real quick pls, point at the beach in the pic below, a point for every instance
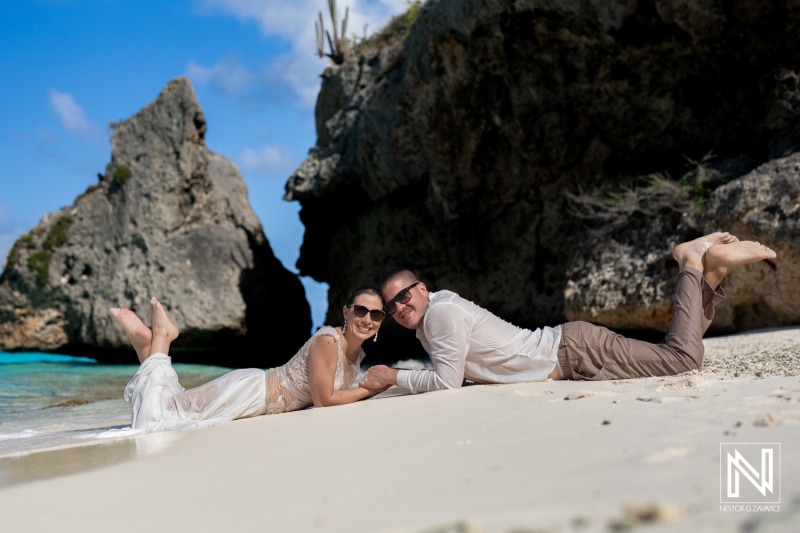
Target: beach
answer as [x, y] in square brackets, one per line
[547, 457]
[533, 163]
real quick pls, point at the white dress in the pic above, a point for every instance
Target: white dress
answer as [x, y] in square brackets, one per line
[159, 401]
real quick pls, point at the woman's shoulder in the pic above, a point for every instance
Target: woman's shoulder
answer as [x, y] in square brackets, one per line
[327, 331]
[327, 338]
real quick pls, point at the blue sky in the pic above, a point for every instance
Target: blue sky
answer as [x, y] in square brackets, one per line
[73, 66]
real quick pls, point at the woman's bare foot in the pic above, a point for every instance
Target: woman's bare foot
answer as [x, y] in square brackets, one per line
[164, 331]
[137, 332]
[690, 254]
[722, 260]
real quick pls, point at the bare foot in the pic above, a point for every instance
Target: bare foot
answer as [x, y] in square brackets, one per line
[722, 260]
[691, 253]
[164, 331]
[162, 325]
[137, 332]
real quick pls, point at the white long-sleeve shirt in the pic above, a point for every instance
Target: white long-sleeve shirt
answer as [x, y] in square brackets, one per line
[465, 340]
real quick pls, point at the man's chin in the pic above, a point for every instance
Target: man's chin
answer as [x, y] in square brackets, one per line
[411, 323]
[406, 323]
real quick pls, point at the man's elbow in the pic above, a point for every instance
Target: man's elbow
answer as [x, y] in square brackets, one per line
[451, 385]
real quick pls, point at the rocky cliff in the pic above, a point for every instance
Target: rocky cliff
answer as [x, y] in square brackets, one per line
[471, 150]
[171, 219]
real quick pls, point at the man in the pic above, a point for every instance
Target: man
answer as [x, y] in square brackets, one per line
[466, 341]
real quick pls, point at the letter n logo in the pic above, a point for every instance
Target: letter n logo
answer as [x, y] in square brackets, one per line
[747, 472]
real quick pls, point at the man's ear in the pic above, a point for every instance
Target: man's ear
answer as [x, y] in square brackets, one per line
[423, 289]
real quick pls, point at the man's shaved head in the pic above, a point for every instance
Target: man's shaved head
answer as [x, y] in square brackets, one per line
[406, 297]
[405, 275]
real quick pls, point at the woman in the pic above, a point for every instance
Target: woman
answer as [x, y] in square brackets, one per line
[320, 373]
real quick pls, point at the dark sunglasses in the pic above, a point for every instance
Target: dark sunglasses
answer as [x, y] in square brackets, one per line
[375, 314]
[402, 297]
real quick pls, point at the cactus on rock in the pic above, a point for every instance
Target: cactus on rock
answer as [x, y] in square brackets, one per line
[339, 46]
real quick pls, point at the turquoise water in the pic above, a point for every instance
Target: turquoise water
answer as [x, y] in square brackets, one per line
[49, 401]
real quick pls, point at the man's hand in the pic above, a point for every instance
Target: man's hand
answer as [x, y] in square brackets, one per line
[379, 377]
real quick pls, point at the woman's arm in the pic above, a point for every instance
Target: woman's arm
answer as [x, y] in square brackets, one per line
[322, 358]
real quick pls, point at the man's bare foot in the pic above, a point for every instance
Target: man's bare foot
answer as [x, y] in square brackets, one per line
[722, 260]
[690, 254]
[137, 332]
[164, 331]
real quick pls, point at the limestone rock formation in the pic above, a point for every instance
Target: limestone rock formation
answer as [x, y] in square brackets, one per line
[171, 219]
[627, 282]
[452, 152]
[763, 206]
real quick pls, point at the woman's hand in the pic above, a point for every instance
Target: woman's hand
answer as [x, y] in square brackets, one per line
[373, 391]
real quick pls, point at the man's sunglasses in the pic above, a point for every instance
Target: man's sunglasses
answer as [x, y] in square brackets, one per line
[403, 297]
[375, 314]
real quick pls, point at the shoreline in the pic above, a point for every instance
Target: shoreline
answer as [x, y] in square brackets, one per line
[545, 456]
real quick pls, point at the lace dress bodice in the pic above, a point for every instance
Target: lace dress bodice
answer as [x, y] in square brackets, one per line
[288, 387]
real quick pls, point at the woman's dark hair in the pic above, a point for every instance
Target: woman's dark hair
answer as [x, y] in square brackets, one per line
[364, 289]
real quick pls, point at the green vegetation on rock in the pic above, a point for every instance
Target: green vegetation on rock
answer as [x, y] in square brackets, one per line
[57, 236]
[611, 206]
[341, 47]
[39, 263]
[26, 241]
[121, 175]
[396, 30]
[13, 255]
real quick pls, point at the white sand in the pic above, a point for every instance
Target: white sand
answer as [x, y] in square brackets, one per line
[557, 456]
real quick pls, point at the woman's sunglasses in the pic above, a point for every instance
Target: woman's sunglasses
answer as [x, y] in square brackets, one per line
[402, 297]
[360, 311]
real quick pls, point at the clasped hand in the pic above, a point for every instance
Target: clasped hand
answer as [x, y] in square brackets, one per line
[376, 379]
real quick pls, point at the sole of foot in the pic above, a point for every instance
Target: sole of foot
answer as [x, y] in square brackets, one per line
[138, 334]
[696, 248]
[728, 257]
[133, 326]
[719, 261]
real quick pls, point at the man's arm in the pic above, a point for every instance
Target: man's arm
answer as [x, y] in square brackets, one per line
[448, 329]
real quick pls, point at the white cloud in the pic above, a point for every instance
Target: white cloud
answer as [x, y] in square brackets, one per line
[229, 75]
[269, 159]
[72, 116]
[294, 22]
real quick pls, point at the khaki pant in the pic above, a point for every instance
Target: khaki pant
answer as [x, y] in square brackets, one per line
[590, 352]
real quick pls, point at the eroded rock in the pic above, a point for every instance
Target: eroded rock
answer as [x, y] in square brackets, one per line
[168, 219]
[451, 152]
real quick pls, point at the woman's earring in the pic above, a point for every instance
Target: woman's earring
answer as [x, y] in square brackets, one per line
[344, 325]
[375, 338]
